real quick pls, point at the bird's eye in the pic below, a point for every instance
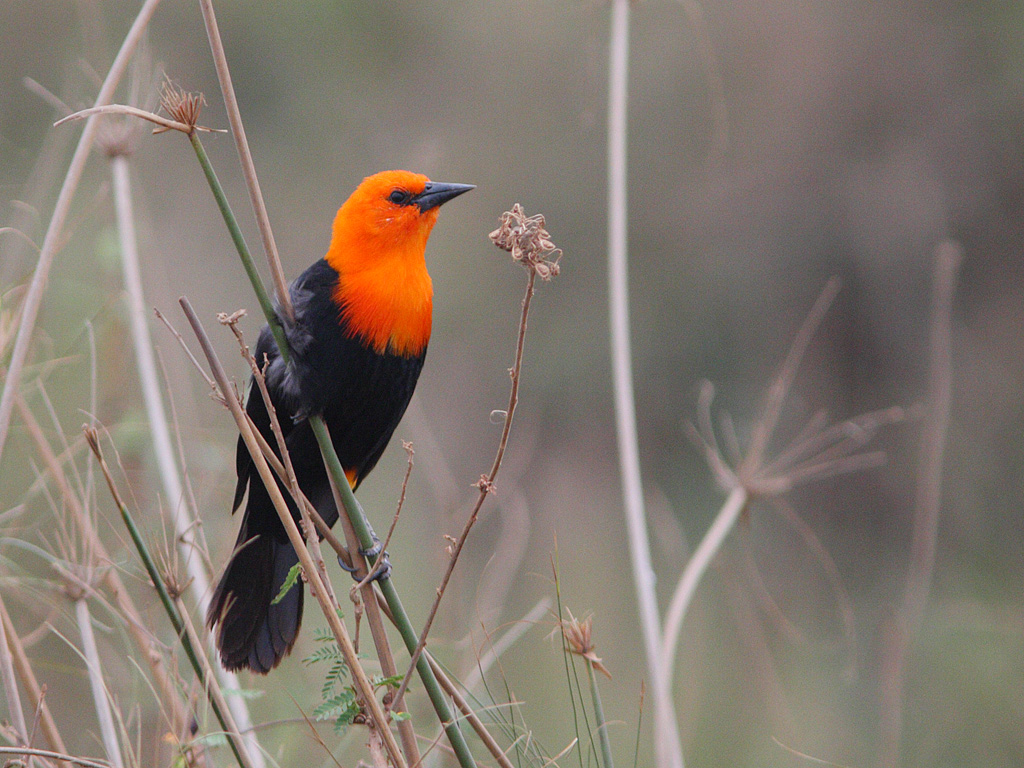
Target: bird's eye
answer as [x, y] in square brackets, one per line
[399, 197]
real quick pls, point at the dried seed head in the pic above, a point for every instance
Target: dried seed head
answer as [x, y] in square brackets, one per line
[579, 635]
[528, 241]
[181, 105]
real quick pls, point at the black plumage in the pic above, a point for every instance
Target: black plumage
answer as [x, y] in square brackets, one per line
[362, 395]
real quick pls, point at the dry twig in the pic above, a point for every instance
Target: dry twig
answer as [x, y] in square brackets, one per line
[530, 244]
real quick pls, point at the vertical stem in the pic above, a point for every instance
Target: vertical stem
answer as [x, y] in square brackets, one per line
[927, 499]
[667, 744]
[245, 157]
[54, 232]
[695, 570]
[363, 531]
[108, 733]
[10, 685]
[184, 529]
[193, 652]
[239, 240]
[28, 680]
[602, 724]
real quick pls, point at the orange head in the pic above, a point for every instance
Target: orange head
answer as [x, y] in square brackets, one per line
[380, 237]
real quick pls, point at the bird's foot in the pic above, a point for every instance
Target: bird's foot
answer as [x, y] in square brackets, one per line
[381, 564]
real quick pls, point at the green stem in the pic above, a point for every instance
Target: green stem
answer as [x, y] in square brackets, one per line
[405, 628]
[243, 250]
[178, 624]
[602, 724]
[352, 508]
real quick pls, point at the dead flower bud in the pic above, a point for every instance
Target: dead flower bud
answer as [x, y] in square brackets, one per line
[579, 635]
[181, 105]
[528, 241]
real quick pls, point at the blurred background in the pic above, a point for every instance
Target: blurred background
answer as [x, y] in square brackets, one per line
[776, 145]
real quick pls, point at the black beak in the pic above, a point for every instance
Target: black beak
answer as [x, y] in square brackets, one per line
[438, 193]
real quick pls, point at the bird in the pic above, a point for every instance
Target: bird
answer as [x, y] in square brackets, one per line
[362, 320]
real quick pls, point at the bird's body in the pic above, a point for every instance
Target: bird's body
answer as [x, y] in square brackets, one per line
[357, 345]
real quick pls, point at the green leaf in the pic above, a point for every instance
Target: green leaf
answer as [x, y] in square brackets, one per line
[244, 693]
[289, 582]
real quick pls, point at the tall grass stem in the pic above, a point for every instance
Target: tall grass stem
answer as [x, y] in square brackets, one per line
[187, 534]
[94, 669]
[668, 748]
[252, 182]
[55, 229]
[694, 571]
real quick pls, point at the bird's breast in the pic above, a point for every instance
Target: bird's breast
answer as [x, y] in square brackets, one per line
[389, 307]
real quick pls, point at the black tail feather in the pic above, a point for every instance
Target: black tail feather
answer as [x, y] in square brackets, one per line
[252, 633]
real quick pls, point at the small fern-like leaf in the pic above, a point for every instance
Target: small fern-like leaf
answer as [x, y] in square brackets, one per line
[289, 581]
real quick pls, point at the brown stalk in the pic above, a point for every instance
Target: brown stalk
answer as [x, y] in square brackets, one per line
[318, 588]
[927, 502]
[211, 683]
[29, 681]
[252, 183]
[486, 482]
[55, 229]
[163, 123]
[151, 650]
[287, 473]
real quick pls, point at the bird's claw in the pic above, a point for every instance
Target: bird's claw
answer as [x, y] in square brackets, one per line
[381, 564]
[374, 550]
[381, 569]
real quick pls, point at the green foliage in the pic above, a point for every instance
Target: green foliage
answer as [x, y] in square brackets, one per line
[289, 582]
[338, 700]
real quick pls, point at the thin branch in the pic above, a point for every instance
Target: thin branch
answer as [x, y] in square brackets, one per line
[125, 109]
[245, 157]
[668, 747]
[28, 679]
[695, 568]
[927, 502]
[765, 425]
[97, 685]
[54, 232]
[361, 681]
[486, 483]
[365, 581]
[82, 761]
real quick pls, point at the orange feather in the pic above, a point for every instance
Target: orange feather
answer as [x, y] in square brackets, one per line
[384, 290]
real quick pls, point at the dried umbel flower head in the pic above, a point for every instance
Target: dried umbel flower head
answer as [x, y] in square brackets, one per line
[579, 635]
[181, 105]
[529, 243]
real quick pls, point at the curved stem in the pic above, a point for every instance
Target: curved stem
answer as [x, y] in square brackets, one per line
[695, 569]
[54, 232]
[668, 747]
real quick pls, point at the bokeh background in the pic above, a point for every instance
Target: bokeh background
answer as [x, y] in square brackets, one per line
[857, 136]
